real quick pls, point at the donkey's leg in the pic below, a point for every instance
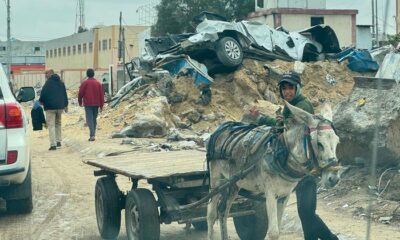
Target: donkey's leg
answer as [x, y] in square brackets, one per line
[212, 207]
[272, 211]
[282, 202]
[224, 212]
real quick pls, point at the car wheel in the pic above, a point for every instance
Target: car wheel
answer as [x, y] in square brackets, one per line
[107, 204]
[253, 227]
[229, 52]
[141, 215]
[24, 205]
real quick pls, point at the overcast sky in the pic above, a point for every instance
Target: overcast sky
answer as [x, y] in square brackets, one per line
[48, 19]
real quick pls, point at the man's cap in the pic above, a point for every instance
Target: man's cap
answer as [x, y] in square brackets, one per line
[292, 78]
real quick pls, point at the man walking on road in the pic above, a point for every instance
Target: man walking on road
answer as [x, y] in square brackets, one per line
[54, 99]
[91, 96]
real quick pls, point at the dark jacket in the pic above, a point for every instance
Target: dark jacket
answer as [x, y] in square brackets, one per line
[54, 94]
[299, 101]
[91, 93]
[37, 116]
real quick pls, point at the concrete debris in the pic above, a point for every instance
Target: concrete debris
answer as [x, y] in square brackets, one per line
[355, 120]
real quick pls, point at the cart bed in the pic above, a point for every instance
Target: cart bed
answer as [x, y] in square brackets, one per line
[153, 165]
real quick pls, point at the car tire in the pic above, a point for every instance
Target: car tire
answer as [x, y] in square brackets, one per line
[141, 215]
[253, 227]
[25, 205]
[229, 52]
[107, 204]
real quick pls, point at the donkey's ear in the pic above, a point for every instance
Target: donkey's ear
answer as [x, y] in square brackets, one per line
[300, 115]
[326, 111]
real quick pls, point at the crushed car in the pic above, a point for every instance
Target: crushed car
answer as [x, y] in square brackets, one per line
[221, 45]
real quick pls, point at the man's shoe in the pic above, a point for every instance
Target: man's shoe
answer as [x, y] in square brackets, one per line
[52, 148]
[58, 144]
[91, 139]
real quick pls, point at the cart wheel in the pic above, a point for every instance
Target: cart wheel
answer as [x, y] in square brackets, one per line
[253, 227]
[141, 215]
[200, 226]
[108, 212]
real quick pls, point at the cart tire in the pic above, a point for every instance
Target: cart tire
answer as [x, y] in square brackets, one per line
[253, 227]
[229, 52]
[108, 211]
[141, 215]
[200, 226]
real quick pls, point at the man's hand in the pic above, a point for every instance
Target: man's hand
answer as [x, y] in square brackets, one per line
[66, 109]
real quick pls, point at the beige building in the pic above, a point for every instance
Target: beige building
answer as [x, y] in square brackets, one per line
[299, 15]
[97, 48]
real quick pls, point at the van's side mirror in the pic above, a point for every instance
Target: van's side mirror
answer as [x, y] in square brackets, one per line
[25, 94]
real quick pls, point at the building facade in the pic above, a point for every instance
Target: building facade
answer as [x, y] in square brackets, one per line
[295, 15]
[25, 55]
[97, 48]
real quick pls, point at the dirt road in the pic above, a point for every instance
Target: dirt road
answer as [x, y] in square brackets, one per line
[64, 198]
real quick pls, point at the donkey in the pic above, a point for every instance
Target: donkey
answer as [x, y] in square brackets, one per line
[311, 143]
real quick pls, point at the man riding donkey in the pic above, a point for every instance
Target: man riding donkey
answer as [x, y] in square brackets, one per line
[306, 191]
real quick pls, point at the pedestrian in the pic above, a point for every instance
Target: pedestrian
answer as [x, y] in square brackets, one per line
[54, 99]
[306, 190]
[91, 96]
[37, 116]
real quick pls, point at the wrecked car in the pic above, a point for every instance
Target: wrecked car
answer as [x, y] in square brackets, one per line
[217, 42]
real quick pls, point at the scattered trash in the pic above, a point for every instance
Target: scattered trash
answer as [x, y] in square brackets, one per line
[299, 67]
[360, 103]
[330, 79]
[385, 220]
[359, 60]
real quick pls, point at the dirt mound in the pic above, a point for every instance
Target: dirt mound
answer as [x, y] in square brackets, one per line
[234, 93]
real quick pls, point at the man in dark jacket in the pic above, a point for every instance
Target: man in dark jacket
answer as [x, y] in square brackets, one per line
[91, 96]
[306, 191]
[54, 99]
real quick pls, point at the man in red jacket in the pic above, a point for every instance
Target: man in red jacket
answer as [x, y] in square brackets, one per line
[91, 96]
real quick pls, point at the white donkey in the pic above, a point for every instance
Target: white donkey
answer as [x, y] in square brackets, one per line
[311, 143]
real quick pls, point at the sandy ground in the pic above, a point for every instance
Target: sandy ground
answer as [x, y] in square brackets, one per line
[64, 196]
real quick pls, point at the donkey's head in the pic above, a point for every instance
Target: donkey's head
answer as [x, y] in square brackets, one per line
[321, 142]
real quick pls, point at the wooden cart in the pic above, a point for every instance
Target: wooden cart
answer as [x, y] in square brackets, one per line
[178, 180]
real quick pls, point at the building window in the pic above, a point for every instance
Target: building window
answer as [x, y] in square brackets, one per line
[51, 53]
[55, 52]
[317, 21]
[73, 50]
[36, 49]
[109, 43]
[47, 53]
[100, 46]
[69, 51]
[64, 51]
[2, 48]
[90, 47]
[84, 48]
[104, 46]
[59, 52]
[79, 49]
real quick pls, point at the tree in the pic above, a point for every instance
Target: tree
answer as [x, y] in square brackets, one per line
[174, 16]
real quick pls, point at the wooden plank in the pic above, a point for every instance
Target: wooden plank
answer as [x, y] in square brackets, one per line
[153, 165]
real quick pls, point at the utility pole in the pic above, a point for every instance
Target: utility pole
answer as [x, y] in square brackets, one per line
[123, 54]
[8, 41]
[376, 23]
[373, 20]
[121, 45]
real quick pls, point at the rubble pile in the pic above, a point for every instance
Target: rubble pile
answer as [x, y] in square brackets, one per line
[174, 102]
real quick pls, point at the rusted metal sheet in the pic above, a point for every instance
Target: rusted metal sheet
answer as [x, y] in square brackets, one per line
[372, 82]
[153, 165]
